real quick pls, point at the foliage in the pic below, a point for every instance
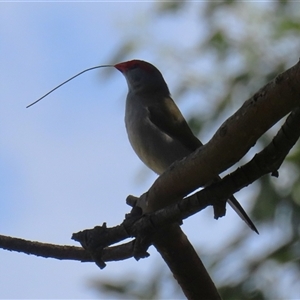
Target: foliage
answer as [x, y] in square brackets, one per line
[233, 49]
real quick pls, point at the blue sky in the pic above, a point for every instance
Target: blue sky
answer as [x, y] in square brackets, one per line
[65, 163]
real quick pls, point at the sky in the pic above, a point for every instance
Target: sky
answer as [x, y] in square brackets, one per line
[65, 163]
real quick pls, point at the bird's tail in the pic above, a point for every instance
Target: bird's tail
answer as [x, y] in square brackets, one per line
[237, 207]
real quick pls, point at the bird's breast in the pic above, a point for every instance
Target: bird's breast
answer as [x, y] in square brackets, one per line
[154, 147]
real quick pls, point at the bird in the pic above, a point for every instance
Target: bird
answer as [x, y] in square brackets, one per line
[157, 130]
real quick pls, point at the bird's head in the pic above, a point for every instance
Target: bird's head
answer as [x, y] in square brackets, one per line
[143, 77]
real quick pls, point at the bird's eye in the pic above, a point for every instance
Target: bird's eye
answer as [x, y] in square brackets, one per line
[136, 76]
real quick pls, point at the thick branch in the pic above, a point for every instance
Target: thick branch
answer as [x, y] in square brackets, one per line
[235, 137]
[187, 268]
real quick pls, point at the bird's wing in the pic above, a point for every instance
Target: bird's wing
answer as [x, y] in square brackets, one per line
[168, 118]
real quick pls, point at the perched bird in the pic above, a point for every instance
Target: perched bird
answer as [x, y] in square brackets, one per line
[156, 129]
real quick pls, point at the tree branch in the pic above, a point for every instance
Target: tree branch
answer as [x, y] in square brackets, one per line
[235, 137]
[44, 249]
